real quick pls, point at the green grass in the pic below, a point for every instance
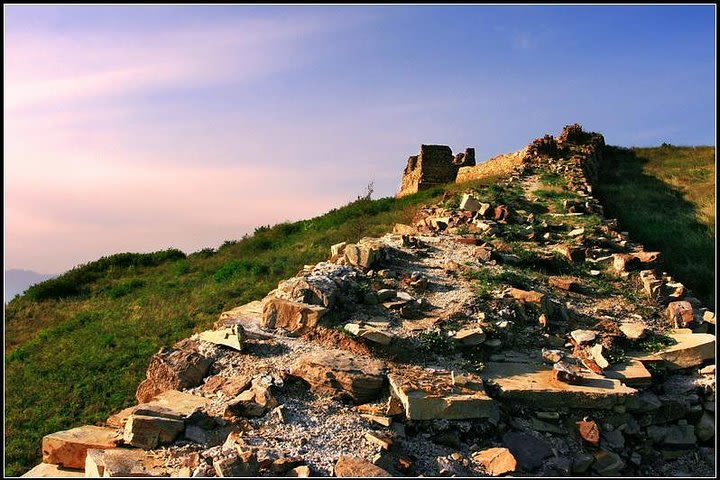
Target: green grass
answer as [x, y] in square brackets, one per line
[664, 197]
[77, 346]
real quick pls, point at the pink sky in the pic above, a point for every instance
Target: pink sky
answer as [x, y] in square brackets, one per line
[139, 128]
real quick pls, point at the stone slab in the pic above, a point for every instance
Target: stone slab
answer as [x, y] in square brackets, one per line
[535, 385]
[691, 350]
[50, 470]
[427, 395]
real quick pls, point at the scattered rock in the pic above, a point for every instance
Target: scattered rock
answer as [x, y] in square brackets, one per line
[583, 336]
[529, 451]
[705, 427]
[589, 432]
[607, 463]
[680, 313]
[496, 461]
[347, 466]
[633, 330]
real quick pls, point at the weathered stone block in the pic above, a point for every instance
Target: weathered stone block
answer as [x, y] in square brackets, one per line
[294, 317]
[69, 447]
[172, 369]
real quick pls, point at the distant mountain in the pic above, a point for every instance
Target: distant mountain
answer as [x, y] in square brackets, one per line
[17, 281]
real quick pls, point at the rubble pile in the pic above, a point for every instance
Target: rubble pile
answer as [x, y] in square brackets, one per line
[486, 338]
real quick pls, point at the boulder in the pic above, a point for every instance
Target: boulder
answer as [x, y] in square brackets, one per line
[68, 448]
[565, 283]
[496, 461]
[571, 252]
[705, 427]
[295, 317]
[340, 373]
[170, 404]
[427, 395]
[363, 254]
[171, 369]
[348, 466]
[597, 353]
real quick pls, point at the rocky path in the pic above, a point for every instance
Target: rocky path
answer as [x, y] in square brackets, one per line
[490, 339]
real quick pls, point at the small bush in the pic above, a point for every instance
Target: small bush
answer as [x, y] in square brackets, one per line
[123, 288]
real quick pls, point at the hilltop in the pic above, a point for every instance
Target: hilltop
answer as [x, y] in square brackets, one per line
[513, 273]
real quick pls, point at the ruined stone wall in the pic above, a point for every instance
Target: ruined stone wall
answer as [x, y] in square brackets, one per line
[435, 165]
[500, 165]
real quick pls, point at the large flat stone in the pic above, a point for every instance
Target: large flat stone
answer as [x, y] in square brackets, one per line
[338, 372]
[49, 470]
[428, 395]
[535, 385]
[691, 350]
[68, 447]
[632, 373]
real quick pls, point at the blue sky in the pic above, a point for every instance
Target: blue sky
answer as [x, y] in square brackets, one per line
[137, 128]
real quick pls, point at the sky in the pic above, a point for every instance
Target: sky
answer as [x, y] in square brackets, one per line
[139, 128]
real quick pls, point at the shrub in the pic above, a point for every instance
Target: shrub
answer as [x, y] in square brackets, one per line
[123, 288]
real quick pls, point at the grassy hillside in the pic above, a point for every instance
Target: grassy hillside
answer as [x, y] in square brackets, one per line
[665, 198]
[77, 346]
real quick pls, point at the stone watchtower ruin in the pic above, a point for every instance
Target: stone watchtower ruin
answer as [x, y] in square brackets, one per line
[434, 165]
